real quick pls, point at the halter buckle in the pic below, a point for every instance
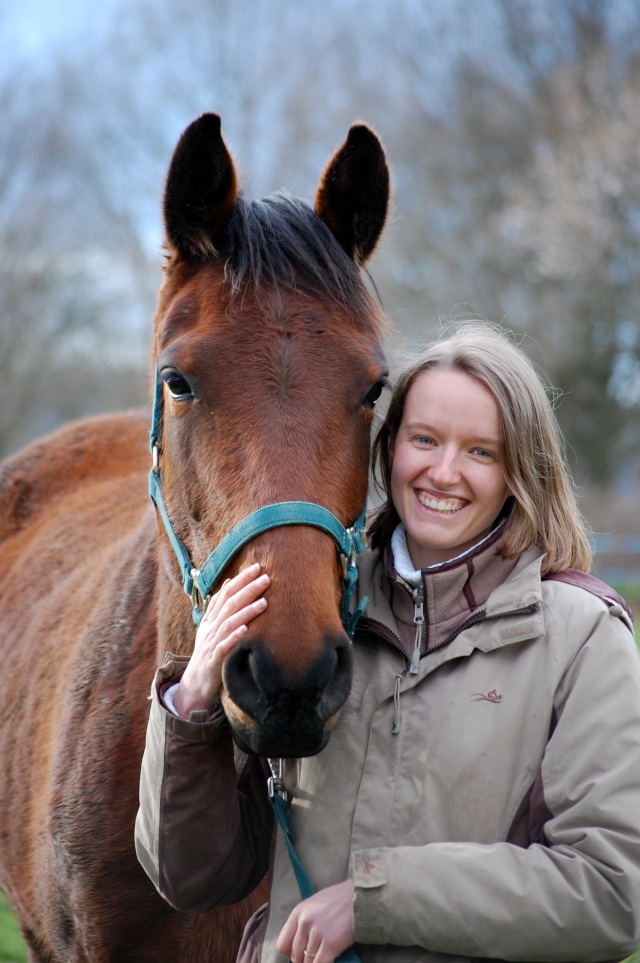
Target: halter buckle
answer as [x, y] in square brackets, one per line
[344, 566]
[275, 782]
[198, 600]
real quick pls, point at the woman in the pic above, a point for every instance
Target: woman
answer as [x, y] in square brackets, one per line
[479, 796]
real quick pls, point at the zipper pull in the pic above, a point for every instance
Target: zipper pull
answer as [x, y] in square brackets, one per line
[418, 618]
[395, 726]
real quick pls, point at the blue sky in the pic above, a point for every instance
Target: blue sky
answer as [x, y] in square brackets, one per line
[28, 27]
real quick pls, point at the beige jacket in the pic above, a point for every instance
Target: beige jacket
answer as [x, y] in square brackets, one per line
[499, 819]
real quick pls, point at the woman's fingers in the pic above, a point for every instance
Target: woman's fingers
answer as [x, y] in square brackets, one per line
[230, 610]
[320, 927]
[229, 588]
[235, 597]
[228, 626]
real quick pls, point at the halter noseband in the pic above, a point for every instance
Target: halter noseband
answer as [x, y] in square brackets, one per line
[349, 542]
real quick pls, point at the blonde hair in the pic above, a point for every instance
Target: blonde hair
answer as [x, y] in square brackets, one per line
[544, 512]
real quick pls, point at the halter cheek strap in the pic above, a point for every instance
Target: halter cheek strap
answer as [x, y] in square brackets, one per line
[198, 584]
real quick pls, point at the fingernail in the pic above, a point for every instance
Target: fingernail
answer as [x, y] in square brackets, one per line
[264, 579]
[261, 604]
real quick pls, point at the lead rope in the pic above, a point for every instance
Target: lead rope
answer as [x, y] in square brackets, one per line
[280, 803]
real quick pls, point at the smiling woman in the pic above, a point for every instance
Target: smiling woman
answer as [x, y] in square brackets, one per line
[488, 753]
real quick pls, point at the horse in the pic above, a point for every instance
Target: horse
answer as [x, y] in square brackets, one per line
[267, 361]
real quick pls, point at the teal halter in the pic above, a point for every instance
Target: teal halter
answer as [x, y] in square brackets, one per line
[198, 584]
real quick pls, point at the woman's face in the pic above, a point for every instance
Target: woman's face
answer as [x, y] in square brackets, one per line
[447, 475]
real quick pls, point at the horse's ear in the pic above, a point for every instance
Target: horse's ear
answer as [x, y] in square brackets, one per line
[353, 195]
[201, 189]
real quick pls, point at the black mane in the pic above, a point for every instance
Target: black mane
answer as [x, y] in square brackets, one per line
[282, 241]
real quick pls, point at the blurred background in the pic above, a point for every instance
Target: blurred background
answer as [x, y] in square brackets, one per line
[513, 129]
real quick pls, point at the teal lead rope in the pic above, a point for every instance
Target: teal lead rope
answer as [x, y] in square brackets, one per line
[278, 797]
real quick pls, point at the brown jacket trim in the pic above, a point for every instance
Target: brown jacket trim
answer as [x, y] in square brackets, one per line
[528, 823]
[228, 864]
[591, 584]
[251, 946]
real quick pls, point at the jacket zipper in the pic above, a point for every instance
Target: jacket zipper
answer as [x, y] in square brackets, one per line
[395, 722]
[380, 629]
[418, 618]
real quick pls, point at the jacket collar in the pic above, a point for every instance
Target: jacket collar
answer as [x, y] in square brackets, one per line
[450, 591]
[510, 586]
[403, 566]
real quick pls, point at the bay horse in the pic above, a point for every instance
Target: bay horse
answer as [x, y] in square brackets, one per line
[268, 360]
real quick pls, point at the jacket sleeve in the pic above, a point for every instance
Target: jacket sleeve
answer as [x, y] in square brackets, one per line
[203, 830]
[574, 896]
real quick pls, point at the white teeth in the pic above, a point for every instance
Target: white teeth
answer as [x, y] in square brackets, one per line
[439, 505]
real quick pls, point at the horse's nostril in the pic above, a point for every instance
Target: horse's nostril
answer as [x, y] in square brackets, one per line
[239, 680]
[241, 662]
[344, 658]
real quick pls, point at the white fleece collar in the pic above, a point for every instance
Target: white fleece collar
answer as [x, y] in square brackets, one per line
[402, 560]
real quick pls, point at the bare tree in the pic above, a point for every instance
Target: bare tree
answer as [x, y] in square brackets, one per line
[530, 190]
[68, 264]
[513, 136]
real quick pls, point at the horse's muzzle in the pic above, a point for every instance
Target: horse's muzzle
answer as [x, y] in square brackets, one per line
[277, 713]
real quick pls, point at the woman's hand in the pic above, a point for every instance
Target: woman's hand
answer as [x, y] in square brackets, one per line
[320, 928]
[223, 625]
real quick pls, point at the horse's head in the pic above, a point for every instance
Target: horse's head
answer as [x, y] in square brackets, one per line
[269, 362]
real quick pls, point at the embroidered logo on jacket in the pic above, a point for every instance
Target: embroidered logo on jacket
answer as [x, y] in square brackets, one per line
[492, 696]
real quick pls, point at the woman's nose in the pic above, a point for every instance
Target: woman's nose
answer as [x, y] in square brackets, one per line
[445, 469]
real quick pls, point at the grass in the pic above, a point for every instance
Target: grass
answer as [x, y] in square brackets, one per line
[630, 591]
[12, 948]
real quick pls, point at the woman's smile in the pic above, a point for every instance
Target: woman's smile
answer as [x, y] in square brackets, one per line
[437, 503]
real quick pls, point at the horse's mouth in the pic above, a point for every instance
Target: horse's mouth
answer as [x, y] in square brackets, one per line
[258, 741]
[272, 716]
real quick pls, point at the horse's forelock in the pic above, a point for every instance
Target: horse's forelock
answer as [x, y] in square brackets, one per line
[280, 241]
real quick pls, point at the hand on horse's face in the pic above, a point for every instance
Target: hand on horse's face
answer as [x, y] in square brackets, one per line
[223, 625]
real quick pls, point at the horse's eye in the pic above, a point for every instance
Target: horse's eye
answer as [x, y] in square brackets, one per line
[179, 387]
[374, 393]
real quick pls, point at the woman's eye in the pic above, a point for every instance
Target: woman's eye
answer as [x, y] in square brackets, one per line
[374, 393]
[482, 452]
[179, 387]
